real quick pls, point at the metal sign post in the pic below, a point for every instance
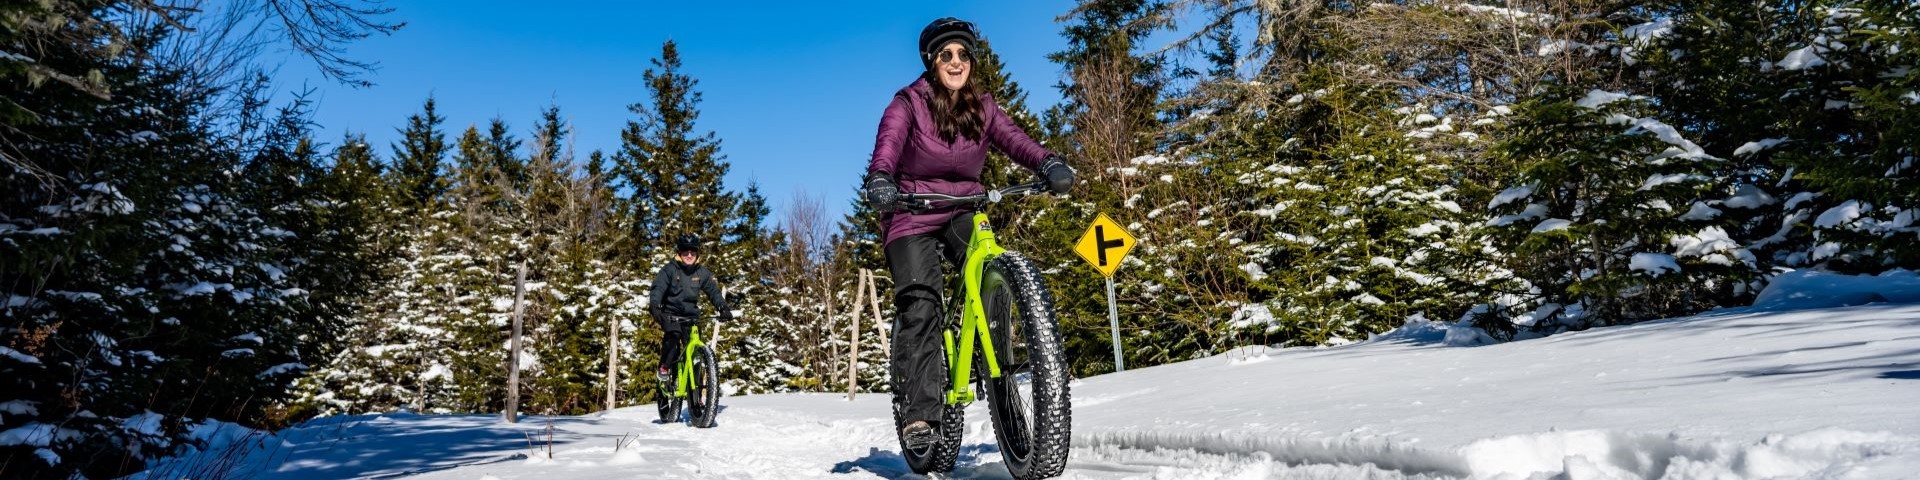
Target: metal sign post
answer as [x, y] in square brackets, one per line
[1113, 317]
[1105, 246]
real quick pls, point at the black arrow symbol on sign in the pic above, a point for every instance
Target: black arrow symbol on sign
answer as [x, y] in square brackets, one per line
[1101, 243]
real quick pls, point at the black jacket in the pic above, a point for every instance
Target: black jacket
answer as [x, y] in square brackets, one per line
[676, 294]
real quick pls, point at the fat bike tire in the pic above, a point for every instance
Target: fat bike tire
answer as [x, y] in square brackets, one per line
[1030, 405]
[703, 401]
[940, 457]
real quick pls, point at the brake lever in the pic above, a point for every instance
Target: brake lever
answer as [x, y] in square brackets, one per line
[913, 206]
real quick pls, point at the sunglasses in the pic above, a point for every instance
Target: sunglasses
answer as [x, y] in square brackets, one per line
[963, 56]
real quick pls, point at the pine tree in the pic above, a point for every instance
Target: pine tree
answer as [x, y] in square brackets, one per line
[361, 209]
[476, 181]
[418, 340]
[503, 157]
[174, 251]
[1800, 170]
[1617, 229]
[419, 172]
[1816, 100]
[1311, 197]
[1106, 120]
[674, 174]
[567, 214]
[154, 276]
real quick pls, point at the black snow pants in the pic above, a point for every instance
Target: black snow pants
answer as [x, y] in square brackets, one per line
[673, 345]
[918, 363]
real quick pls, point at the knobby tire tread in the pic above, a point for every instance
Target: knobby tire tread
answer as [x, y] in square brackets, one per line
[1052, 405]
[702, 407]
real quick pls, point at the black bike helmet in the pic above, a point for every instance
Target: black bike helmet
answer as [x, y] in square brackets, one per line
[686, 243]
[945, 30]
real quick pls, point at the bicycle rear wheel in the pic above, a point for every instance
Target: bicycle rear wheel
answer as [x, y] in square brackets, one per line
[703, 401]
[1031, 407]
[941, 456]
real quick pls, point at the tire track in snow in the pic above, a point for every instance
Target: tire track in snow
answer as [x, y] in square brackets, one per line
[1300, 451]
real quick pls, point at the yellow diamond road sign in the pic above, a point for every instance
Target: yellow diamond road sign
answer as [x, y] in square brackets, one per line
[1104, 245]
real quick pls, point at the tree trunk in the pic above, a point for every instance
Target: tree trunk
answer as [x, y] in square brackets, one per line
[879, 323]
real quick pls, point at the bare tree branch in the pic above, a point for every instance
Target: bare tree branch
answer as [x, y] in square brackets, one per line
[321, 29]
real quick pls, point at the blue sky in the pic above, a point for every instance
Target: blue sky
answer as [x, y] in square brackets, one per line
[794, 90]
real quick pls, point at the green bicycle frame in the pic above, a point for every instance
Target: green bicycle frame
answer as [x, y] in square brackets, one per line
[973, 318]
[684, 379]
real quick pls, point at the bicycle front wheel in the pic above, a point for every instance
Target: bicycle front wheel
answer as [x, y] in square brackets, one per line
[703, 401]
[1031, 408]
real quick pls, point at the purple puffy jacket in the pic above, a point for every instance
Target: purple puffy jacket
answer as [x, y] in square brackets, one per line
[910, 149]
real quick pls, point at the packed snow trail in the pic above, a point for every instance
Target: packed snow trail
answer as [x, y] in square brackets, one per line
[1751, 393]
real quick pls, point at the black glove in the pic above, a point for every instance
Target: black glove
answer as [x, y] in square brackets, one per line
[726, 316]
[882, 193]
[1059, 175]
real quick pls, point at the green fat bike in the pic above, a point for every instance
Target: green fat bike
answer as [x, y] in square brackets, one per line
[1003, 341]
[696, 384]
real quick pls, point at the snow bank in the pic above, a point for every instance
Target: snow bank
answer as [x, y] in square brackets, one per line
[1419, 330]
[1805, 289]
[1826, 453]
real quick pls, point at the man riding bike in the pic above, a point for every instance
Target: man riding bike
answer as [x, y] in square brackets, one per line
[675, 301]
[934, 138]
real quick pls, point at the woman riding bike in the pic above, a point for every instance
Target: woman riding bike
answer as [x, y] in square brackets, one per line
[934, 138]
[674, 301]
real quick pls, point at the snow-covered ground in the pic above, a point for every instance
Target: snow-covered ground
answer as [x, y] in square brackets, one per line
[1800, 386]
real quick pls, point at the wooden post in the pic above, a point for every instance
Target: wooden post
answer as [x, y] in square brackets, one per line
[826, 380]
[420, 393]
[513, 345]
[853, 336]
[613, 360]
[879, 323]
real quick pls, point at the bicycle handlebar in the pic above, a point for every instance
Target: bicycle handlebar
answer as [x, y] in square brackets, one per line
[713, 327]
[919, 202]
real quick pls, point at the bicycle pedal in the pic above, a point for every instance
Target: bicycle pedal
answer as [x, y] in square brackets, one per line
[922, 437]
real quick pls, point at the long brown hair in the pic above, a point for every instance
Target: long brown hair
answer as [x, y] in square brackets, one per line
[955, 115]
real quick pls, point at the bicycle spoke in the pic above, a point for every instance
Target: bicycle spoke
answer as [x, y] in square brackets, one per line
[1016, 369]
